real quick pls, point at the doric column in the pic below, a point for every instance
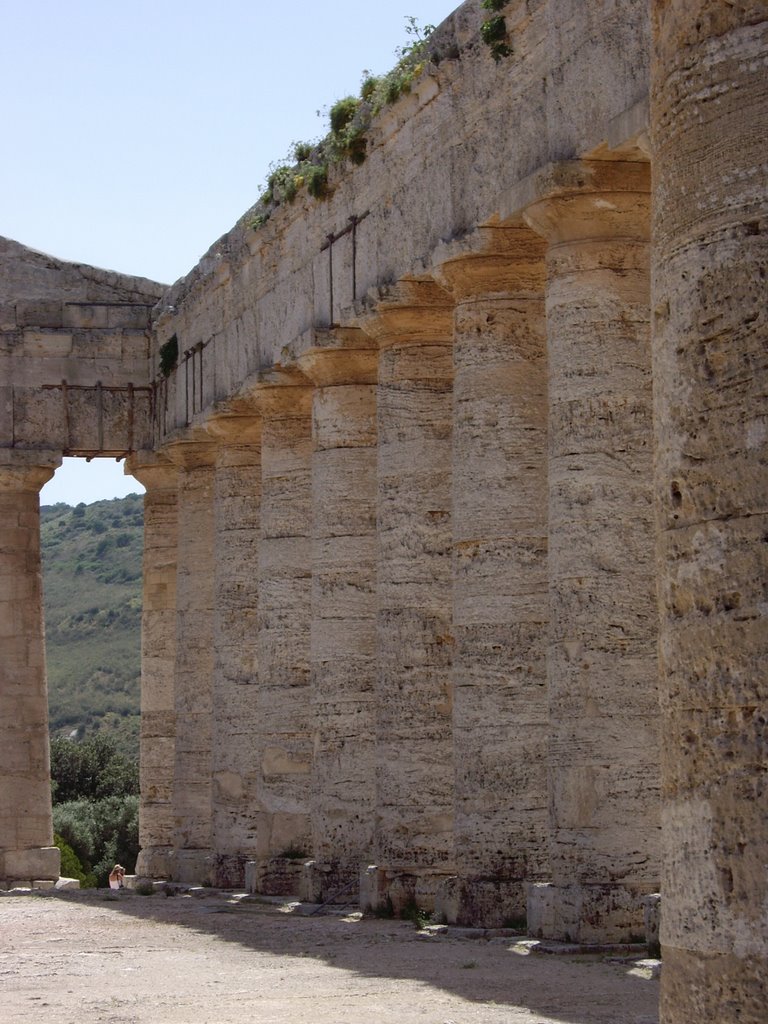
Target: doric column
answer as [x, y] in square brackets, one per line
[602, 670]
[414, 759]
[710, 264]
[500, 575]
[27, 853]
[284, 740]
[343, 642]
[235, 673]
[193, 669]
[158, 659]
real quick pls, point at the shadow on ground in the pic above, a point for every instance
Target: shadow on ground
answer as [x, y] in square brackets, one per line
[570, 989]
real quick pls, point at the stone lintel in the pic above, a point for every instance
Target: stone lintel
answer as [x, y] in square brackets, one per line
[27, 470]
[582, 198]
[413, 312]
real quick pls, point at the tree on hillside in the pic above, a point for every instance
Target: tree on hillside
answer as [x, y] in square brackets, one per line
[91, 770]
[95, 803]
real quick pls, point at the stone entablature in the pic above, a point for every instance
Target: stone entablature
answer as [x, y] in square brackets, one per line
[453, 582]
[74, 347]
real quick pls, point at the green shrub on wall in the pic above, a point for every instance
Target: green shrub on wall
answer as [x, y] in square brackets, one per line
[349, 122]
[493, 31]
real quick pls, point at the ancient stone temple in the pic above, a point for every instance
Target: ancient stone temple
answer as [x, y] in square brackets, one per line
[455, 542]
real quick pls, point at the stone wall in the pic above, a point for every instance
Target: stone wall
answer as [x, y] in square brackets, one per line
[452, 576]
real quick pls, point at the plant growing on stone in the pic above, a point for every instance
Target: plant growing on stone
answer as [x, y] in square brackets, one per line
[169, 356]
[413, 912]
[316, 180]
[347, 136]
[350, 118]
[411, 60]
[368, 86]
[302, 151]
[342, 113]
[493, 31]
[281, 183]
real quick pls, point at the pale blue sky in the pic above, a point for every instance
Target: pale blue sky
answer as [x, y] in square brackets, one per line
[134, 135]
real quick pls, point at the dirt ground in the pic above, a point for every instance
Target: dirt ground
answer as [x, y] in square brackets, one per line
[122, 958]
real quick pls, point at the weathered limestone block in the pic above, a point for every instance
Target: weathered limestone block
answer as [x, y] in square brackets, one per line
[236, 674]
[343, 640]
[26, 827]
[283, 747]
[414, 700]
[158, 659]
[499, 574]
[603, 702]
[193, 669]
[708, 106]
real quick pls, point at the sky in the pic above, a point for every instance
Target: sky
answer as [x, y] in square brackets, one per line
[136, 134]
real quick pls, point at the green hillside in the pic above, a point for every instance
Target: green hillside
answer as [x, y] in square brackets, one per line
[92, 592]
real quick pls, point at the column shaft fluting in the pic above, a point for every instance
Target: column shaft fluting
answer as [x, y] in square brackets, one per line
[193, 677]
[27, 854]
[284, 748]
[236, 673]
[500, 575]
[710, 266]
[602, 668]
[158, 659]
[343, 645]
[414, 756]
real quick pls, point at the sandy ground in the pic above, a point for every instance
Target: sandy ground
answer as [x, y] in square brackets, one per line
[128, 959]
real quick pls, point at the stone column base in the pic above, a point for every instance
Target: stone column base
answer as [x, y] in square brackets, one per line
[229, 870]
[154, 862]
[194, 867]
[390, 891]
[274, 876]
[723, 987]
[482, 902]
[335, 881]
[29, 868]
[587, 913]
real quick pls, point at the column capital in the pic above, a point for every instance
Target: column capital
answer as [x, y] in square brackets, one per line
[345, 355]
[235, 429]
[501, 259]
[415, 311]
[587, 200]
[283, 401]
[153, 470]
[26, 470]
[197, 454]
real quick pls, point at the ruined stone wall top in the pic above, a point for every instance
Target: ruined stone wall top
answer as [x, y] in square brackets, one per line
[440, 161]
